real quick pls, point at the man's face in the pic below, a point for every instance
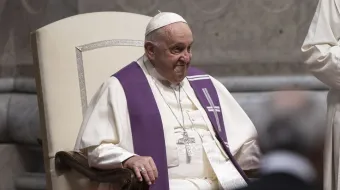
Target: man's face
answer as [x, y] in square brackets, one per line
[172, 52]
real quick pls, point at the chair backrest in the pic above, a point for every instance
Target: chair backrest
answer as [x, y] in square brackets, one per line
[73, 57]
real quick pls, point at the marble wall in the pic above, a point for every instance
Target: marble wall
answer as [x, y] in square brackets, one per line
[17, 19]
[232, 37]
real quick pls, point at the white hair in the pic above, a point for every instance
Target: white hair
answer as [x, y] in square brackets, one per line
[155, 36]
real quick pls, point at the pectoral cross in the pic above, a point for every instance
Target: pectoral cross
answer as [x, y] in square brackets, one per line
[186, 140]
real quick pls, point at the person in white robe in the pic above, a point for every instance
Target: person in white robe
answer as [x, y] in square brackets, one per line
[106, 131]
[322, 57]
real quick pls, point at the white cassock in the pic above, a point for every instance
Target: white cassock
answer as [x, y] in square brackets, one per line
[107, 124]
[322, 51]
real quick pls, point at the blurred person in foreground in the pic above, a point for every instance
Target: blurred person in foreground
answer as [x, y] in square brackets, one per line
[291, 143]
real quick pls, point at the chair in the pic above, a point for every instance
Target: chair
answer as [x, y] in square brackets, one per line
[73, 57]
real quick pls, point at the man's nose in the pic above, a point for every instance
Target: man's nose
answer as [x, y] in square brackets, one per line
[186, 57]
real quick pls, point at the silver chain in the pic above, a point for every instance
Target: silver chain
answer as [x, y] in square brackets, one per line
[186, 139]
[177, 99]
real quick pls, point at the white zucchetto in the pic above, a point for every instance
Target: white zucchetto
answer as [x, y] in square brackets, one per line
[163, 19]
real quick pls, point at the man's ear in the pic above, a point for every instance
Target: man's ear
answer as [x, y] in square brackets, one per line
[149, 50]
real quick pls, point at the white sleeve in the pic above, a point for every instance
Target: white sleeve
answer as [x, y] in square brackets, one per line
[321, 46]
[104, 127]
[107, 156]
[240, 130]
[249, 155]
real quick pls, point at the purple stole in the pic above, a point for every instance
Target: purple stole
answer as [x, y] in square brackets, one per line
[146, 123]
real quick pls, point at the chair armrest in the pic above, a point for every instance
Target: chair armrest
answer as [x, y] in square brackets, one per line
[123, 177]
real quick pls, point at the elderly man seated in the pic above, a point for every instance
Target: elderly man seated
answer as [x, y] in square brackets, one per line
[175, 126]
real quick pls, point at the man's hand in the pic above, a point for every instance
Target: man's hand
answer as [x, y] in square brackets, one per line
[144, 167]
